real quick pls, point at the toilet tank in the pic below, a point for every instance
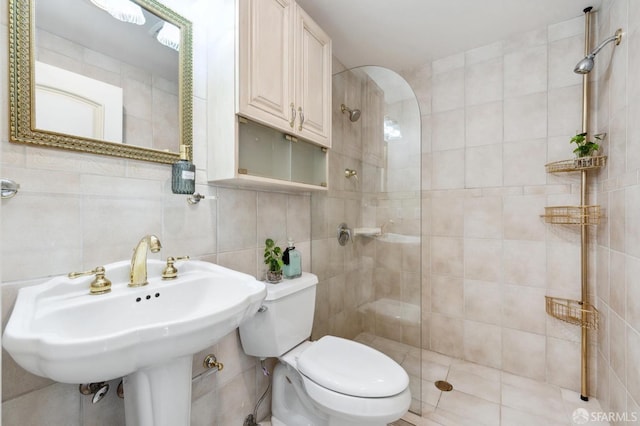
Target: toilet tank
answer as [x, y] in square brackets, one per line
[285, 319]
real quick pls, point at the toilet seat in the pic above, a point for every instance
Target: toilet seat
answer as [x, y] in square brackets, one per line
[350, 368]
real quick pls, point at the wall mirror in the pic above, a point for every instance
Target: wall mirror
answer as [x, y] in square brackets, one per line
[81, 78]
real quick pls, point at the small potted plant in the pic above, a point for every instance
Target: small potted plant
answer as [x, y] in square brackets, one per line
[586, 150]
[273, 259]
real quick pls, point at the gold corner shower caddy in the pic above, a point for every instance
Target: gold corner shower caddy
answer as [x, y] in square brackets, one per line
[579, 312]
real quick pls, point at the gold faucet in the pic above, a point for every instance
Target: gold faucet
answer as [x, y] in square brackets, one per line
[139, 260]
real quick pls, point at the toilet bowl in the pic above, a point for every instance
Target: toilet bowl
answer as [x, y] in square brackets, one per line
[332, 381]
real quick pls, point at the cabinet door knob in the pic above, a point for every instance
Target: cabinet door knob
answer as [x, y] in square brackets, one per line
[301, 119]
[293, 115]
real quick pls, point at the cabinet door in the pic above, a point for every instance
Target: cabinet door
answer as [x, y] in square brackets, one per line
[313, 80]
[265, 62]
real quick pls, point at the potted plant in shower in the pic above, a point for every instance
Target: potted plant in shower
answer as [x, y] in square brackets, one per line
[273, 259]
[585, 150]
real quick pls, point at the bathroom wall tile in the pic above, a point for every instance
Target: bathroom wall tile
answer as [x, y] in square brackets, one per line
[564, 54]
[447, 335]
[483, 124]
[562, 275]
[298, 218]
[523, 353]
[566, 29]
[618, 288]
[447, 90]
[447, 256]
[483, 217]
[617, 394]
[483, 259]
[448, 130]
[236, 219]
[523, 309]
[632, 221]
[524, 75]
[447, 216]
[483, 166]
[272, 218]
[617, 222]
[248, 261]
[102, 242]
[617, 338]
[633, 367]
[564, 111]
[447, 295]
[562, 368]
[484, 82]
[525, 117]
[483, 53]
[525, 40]
[521, 220]
[483, 344]
[483, 301]
[522, 162]
[525, 263]
[28, 219]
[58, 404]
[445, 172]
[633, 291]
[237, 397]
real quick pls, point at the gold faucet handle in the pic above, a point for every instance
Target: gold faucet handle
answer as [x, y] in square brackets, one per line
[170, 271]
[100, 284]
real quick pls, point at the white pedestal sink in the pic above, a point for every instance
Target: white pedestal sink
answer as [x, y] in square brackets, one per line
[147, 335]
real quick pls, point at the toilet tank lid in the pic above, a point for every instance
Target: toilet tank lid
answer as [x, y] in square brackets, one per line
[290, 286]
[352, 368]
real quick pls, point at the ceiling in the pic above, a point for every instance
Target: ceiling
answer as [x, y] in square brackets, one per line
[399, 34]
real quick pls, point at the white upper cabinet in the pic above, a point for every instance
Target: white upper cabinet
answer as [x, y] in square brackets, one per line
[284, 69]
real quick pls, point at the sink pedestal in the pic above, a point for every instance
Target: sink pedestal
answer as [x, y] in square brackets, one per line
[159, 395]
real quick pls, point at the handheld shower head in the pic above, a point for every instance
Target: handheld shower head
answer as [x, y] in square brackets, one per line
[586, 64]
[354, 114]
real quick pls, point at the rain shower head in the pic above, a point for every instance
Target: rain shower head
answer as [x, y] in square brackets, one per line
[586, 64]
[354, 114]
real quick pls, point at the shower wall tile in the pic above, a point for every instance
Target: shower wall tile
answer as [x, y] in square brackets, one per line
[525, 263]
[448, 63]
[566, 29]
[447, 256]
[445, 172]
[483, 166]
[447, 90]
[447, 131]
[483, 301]
[483, 217]
[632, 291]
[484, 82]
[483, 53]
[521, 162]
[483, 259]
[447, 217]
[564, 111]
[563, 55]
[522, 309]
[525, 71]
[483, 124]
[523, 353]
[483, 343]
[447, 335]
[525, 117]
[447, 295]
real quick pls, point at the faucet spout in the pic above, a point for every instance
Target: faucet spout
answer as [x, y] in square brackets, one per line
[139, 260]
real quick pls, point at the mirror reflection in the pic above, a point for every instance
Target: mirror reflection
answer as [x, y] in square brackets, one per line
[90, 77]
[101, 73]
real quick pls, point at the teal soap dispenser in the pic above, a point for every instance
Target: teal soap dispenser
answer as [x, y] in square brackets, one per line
[292, 261]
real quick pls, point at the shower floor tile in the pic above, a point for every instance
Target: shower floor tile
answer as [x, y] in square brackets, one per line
[481, 395]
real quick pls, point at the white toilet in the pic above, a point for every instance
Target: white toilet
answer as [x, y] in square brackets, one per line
[331, 381]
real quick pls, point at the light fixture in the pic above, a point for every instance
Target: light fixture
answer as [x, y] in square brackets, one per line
[123, 10]
[391, 130]
[169, 35]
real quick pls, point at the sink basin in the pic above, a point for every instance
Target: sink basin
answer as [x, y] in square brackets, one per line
[58, 330]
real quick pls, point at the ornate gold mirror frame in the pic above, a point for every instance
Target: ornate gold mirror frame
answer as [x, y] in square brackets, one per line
[21, 90]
